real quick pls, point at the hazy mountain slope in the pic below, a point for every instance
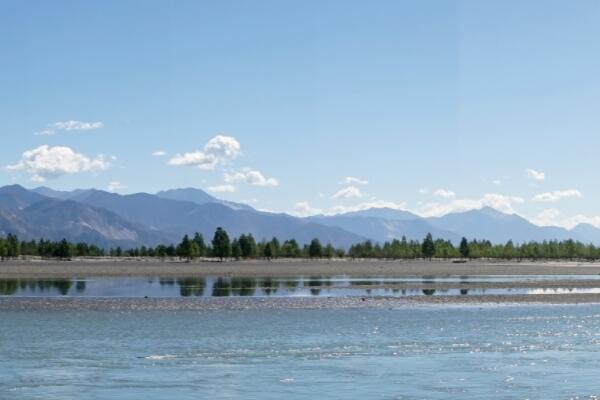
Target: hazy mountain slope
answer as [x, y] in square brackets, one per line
[200, 197]
[142, 208]
[14, 221]
[183, 217]
[384, 213]
[490, 224]
[585, 233]
[208, 217]
[381, 230]
[16, 197]
[58, 194]
[56, 219]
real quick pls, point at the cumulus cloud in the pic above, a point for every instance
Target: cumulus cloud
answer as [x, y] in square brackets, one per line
[222, 189]
[557, 195]
[350, 180]
[304, 209]
[499, 202]
[535, 175]
[218, 150]
[350, 192]
[159, 153]
[251, 177]
[47, 162]
[497, 182]
[70, 125]
[115, 186]
[446, 194]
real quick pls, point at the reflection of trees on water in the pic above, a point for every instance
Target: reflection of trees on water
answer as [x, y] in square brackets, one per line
[80, 286]
[269, 285]
[291, 283]
[191, 286]
[243, 286]
[166, 281]
[221, 287]
[314, 283]
[63, 286]
[8, 286]
[11, 286]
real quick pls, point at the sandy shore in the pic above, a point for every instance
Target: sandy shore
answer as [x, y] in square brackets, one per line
[286, 268]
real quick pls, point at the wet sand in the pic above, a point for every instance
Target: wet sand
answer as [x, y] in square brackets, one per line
[280, 304]
[286, 268]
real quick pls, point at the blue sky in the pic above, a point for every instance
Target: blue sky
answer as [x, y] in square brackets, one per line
[430, 106]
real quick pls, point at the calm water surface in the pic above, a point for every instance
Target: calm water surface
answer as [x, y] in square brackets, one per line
[511, 352]
[214, 286]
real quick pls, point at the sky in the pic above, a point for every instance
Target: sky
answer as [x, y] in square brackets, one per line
[310, 106]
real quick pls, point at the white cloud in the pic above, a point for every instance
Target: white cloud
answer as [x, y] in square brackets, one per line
[575, 220]
[250, 176]
[535, 175]
[70, 125]
[350, 180]
[553, 217]
[497, 182]
[115, 186]
[446, 194]
[159, 153]
[547, 217]
[557, 195]
[47, 162]
[218, 150]
[423, 191]
[304, 209]
[499, 202]
[350, 192]
[222, 189]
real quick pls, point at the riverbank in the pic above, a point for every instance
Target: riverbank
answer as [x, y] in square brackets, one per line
[286, 268]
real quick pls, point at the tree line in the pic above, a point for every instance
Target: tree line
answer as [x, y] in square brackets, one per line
[246, 247]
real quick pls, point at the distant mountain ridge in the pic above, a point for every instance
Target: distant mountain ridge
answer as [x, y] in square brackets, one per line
[111, 219]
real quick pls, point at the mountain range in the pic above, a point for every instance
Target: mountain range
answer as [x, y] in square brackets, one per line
[109, 219]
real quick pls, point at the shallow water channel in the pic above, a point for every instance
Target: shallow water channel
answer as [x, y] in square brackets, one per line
[307, 286]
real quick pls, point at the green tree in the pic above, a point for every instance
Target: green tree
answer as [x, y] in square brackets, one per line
[13, 247]
[290, 249]
[464, 248]
[63, 250]
[428, 247]
[3, 250]
[185, 249]
[328, 251]
[236, 250]
[248, 246]
[221, 245]
[201, 246]
[268, 251]
[315, 249]
[275, 247]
